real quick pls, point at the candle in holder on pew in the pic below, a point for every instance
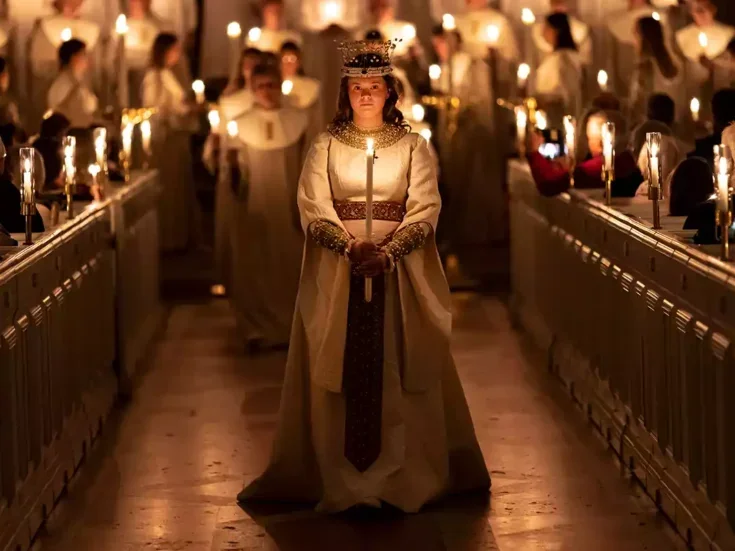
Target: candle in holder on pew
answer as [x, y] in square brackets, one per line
[370, 157]
[145, 137]
[198, 87]
[602, 80]
[95, 188]
[121, 29]
[126, 152]
[608, 155]
[28, 190]
[653, 140]
[570, 130]
[99, 138]
[69, 147]
[287, 87]
[234, 34]
[524, 71]
[722, 165]
[694, 107]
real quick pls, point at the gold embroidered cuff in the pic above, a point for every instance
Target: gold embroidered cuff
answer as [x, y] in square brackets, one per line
[404, 242]
[330, 236]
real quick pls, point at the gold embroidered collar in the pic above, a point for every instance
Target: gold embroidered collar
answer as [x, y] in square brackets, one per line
[385, 136]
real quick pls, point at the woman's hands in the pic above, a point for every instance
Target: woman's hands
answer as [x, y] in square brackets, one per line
[369, 261]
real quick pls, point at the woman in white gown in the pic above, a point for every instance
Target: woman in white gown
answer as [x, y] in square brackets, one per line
[657, 71]
[372, 408]
[179, 217]
[69, 93]
[303, 92]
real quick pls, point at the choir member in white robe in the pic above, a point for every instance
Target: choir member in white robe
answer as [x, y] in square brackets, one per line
[580, 33]
[69, 93]
[238, 98]
[179, 218]
[302, 91]
[273, 32]
[372, 409]
[702, 69]
[48, 34]
[558, 80]
[182, 15]
[620, 43]
[472, 156]
[473, 25]
[102, 12]
[657, 71]
[267, 240]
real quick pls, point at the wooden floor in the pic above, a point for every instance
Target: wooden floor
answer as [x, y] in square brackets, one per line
[164, 475]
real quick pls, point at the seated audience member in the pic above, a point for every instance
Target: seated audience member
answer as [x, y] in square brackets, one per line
[48, 145]
[723, 113]
[9, 113]
[691, 186]
[552, 176]
[10, 215]
[660, 116]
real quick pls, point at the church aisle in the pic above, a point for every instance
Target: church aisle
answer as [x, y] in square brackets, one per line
[165, 476]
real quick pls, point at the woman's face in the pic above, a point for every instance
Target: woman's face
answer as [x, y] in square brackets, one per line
[267, 91]
[173, 55]
[290, 64]
[368, 96]
[549, 34]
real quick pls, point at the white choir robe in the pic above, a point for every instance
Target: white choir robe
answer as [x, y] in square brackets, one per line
[179, 217]
[73, 99]
[235, 105]
[44, 44]
[139, 41]
[558, 81]
[428, 445]
[719, 36]
[307, 95]
[580, 33]
[271, 41]
[182, 15]
[102, 12]
[473, 26]
[266, 237]
[315, 17]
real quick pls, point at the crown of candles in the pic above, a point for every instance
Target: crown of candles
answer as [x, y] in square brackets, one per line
[367, 58]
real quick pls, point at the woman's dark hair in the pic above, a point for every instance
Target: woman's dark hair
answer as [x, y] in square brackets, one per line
[560, 23]
[374, 35]
[661, 108]
[54, 126]
[161, 46]
[391, 113]
[438, 30]
[266, 70]
[247, 52]
[691, 184]
[3, 65]
[653, 46]
[50, 151]
[7, 134]
[294, 49]
[68, 50]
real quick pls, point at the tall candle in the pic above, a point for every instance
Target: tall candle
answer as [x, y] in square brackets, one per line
[602, 80]
[100, 147]
[123, 94]
[198, 87]
[608, 146]
[723, 184]
[570, 130]
[694, 107]
[145, 135]
[27, 182]
[214, 121]
[524, 71]
[370, 158]
[234, 33]
[655, 176]
[127, 140]
[70, 147]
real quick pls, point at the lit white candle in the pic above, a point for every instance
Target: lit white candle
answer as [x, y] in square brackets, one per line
[121, 29]
[287, 87]
[524, 71]
[418, 112]
[435, 72]
[723, 184]
[608, 146]
[655, 176]
[370, 159]
[521, 125]
[233, 131]
[214, 121]
[602, 80]
[694, 107]
[703, 42]
[570, 130]
[331, 12]
[127, 140]
[69, 145]
[198, 87]
[491, 35]
[100, 146]
[254, 35]
[145, 135]
[66, 34]
[542, 122]
[234, 34]
[27, 181]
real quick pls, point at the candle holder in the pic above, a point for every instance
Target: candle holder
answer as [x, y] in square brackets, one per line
[608, 164]
[655, 194]
[570, 144]
[28, 190]
[723, 169]
[99, 137]
[69, 147]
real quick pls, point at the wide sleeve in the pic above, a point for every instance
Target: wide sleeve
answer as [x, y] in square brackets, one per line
[314, 195]
[151, 89]
[423, 201]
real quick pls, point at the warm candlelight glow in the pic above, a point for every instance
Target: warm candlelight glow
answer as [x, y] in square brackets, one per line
[723, 178]
[69, 146]
[521, 125]
[94, 170]
[287, 87]
[214, 120]
[570, 130]
[602, 80]
[331, 11]
[100, 145]
[232, 129]
[127, 139]
[121, 24]
[492, 34]
[694, 107]
[66, 35]
[542, 122]
[370, 146]
[608, 145]
[198, 87]
[448, 23]
[254, 34]
[653, 139]
[527, 16]
[656, 16]
[703, 40]
[524, 71]
[145, 134]
[409, 32]
[27, 183]
[435, 72]
[418, 112]
[426, 134]
[234, 30]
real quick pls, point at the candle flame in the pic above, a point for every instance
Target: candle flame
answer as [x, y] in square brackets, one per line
[524, 71]
[724, 168]
[370, 145]
[527, 16]
[232, 129]
[448, 22]
[254, 34]
[602, 79]
[418, 112]
[409, 32]
[121, 24]
[492, 34]
[694, 105]
[331, 11]
[214, 119]
[233, 29]
[198, 87]
[656, 16]
[521, 117]
[94, 169]
[145, 128]
[703, 40]
[426, 134]
[66, 34]
[27, 165]
[542, 122]
[435, 72]
[287, 87]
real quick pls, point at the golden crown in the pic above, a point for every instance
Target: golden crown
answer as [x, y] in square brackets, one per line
[367, 58]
